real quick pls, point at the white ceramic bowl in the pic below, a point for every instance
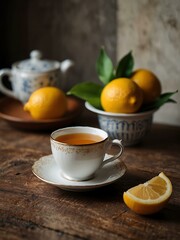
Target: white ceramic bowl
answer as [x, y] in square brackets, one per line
[131, 128]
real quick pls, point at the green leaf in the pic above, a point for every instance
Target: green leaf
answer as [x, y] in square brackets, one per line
[104, 67]
[125, 66]
[164, 98]
[89, 92]
[172, 100]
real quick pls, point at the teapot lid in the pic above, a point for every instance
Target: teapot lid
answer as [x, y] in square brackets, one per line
[35, 64]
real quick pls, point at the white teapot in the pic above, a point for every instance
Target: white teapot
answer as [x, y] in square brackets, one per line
[29, 75]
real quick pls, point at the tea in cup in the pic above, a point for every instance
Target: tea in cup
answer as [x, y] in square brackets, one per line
[79, 151]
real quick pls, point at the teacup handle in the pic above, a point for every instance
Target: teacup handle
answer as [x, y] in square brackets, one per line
[3, 88]
[110, 144]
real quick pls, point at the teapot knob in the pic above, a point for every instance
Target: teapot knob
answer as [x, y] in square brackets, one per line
[35, 55]
[65, 65]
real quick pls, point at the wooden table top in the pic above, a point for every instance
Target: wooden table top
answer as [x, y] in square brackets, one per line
[32, 209]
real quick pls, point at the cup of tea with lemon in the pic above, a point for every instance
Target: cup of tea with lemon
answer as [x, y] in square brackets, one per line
[125, 101]
[79, 151]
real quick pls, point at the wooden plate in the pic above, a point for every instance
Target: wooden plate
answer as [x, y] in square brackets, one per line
[11, 110]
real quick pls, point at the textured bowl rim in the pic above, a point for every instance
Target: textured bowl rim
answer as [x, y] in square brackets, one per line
[101, 112]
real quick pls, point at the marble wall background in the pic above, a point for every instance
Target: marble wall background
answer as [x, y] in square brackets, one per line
[61, 29]
[77, 28]
[151, 29]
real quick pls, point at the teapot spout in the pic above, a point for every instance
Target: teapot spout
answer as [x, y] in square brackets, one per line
[65, 65]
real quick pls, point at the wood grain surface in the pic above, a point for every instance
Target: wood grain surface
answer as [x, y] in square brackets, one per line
[32, 209]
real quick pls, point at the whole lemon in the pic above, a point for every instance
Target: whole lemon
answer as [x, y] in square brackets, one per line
[149, 83]
[121, 95]
[47, 103]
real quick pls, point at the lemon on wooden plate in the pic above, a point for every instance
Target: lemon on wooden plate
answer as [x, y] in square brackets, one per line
[47, 103]
[150, 197]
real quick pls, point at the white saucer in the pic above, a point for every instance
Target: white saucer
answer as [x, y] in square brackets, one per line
[46, 170]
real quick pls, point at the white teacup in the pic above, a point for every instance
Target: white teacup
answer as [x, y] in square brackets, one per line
[79, 151]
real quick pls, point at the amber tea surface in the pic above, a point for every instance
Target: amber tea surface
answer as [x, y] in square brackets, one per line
[79, 138]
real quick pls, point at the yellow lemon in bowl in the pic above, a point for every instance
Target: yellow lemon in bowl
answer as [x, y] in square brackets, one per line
[149, 83]
[47, 103]
[121, 95]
